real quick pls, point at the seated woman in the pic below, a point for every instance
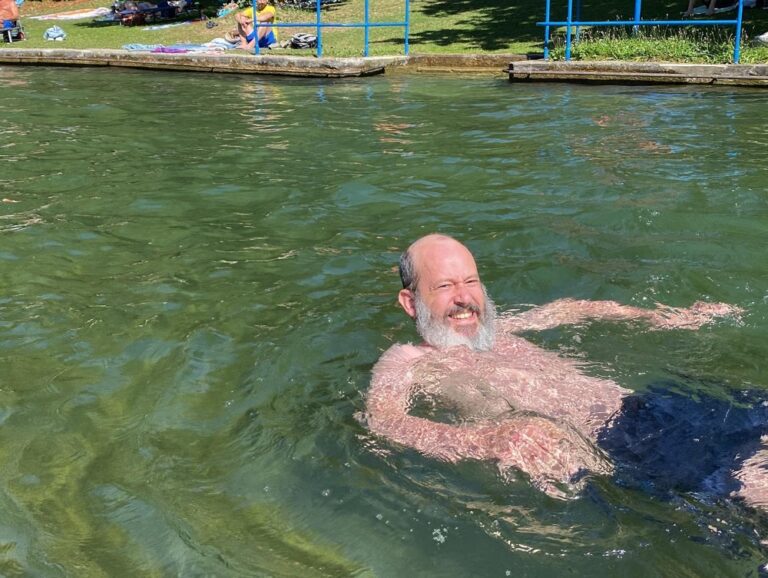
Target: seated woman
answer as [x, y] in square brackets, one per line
[265, 15]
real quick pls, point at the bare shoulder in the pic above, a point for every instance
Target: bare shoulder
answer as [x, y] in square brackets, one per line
[400, 354]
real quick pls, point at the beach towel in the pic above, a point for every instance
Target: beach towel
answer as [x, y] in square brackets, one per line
[73, 14]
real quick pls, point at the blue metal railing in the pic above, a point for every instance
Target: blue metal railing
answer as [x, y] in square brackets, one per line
[635, 23]
[318, 25]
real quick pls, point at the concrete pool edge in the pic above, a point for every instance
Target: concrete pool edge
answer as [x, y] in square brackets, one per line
[267, 64]
[518, 67]
[754, 75]
[195, 62]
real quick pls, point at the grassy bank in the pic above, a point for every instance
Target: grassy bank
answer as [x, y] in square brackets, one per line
[700, 45]
[437, 26]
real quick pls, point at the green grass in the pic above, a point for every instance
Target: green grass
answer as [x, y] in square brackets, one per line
[696, 45]
[441, 26]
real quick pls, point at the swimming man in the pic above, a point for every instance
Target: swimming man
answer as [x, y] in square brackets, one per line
[519, 406]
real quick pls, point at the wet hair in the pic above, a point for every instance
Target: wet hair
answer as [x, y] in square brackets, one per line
[407, 271]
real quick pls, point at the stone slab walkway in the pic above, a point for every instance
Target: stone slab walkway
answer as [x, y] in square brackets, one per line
[517, 67]
[232, 63]
[755, 75]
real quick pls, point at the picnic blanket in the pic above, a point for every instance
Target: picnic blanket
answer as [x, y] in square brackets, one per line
[74, 14]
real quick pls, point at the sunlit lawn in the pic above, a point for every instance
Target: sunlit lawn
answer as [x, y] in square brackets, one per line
[437, 26]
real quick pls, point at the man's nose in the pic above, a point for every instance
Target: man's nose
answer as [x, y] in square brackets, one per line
[461, 294]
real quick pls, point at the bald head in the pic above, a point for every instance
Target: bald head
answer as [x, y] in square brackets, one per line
[443, 293]
[423, 250]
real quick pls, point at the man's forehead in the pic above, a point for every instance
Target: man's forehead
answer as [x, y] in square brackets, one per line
[438, 254]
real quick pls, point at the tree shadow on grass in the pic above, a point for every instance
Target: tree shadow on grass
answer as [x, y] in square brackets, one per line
[495, 24]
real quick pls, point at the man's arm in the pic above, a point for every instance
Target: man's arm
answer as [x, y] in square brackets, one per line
[243, 18]
[549, 452]
[246, 16]
[266, 15]
[572, 311]
[388, 402]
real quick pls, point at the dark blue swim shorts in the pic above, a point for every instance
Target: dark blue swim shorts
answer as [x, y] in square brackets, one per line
[664, 441]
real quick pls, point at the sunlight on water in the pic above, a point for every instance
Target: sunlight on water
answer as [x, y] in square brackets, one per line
[198, 274]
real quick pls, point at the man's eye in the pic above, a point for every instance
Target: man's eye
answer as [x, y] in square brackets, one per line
[473, 282]
[443, 285]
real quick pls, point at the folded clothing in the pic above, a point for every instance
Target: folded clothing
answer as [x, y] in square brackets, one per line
[54, 33]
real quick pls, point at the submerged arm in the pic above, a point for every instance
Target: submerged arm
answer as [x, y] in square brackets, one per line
[392, 387]
[572, 311]
[549, 452]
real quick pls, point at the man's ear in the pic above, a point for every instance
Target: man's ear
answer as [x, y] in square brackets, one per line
[407, 301]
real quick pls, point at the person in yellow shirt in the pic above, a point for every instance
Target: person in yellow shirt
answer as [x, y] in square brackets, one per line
[266, 34]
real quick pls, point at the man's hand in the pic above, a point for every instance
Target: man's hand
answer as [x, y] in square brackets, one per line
[242, 19]
[554, 455]
[698, 314]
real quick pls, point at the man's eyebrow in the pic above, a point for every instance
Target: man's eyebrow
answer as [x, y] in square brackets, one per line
[442, 280]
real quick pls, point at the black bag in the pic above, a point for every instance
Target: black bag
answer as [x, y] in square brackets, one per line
[302, 40]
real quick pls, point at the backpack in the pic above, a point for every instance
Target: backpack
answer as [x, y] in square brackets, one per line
[302, 40]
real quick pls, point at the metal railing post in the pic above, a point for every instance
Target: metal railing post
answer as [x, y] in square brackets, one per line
[366, 29]
[319, 29]
[636, 28]
[546, 29]
[737, 40]
[255, 29]
[407, 25]
[569, 19]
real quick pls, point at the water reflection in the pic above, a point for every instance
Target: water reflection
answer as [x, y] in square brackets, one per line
[197, 276]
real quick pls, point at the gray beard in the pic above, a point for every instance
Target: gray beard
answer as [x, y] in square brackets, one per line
[439, 334]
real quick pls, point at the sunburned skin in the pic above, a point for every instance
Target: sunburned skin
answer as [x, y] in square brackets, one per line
[526, 408]
[518, 405]
[553, 451]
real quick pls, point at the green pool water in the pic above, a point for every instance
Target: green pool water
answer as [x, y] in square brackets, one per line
[197, 275]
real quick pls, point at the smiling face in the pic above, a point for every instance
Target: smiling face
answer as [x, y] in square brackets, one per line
[449, 302]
